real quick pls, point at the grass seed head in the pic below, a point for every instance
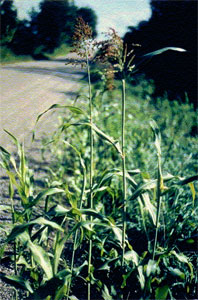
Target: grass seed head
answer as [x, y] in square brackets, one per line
[82, 31]
[83, 43]
[111, 48]
[109, 74]
[115, 55]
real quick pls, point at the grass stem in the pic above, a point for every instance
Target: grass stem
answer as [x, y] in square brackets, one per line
[46, 204]
[15, 245]
[76, 233]
[123, 169]
[91, 173]
[159, 184]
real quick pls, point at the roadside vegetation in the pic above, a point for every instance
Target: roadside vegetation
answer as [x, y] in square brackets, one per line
[117, 216]
[7, 56]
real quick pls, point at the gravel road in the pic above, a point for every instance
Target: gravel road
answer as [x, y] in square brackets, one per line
[29, 88]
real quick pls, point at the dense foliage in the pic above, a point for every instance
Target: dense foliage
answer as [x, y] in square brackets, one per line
[116, 217]
[116, 214]
[172, 23]
[45, 30]
[8, 21]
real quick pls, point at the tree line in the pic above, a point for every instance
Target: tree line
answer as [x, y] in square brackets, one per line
[45, 30]
[172, 23]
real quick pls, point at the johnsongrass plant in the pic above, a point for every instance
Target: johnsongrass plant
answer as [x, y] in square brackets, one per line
[83, 46]
[114, 53]
[125, 241]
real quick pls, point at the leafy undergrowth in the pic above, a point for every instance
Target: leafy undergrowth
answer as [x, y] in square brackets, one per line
[63, 50]
[117, 217]
[43, 237]
[7, 56]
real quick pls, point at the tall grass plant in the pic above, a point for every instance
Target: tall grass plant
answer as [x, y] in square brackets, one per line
[118, 210]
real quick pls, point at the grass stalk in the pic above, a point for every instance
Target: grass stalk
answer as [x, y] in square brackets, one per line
[123, 169]
[15, 246]
[91, 173]
[157, 216]
[76, 233]
[46, 204]
[159, 186]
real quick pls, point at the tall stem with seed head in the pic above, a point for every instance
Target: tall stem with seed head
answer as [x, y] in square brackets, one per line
[83, 47]
[123, 169]
[91, 172]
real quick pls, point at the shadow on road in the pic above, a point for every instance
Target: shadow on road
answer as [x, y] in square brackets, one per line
[69, 60]
[61, 72]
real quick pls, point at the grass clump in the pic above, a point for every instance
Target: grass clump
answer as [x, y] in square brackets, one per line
[7, 56]
[118, 213]
[60, 51]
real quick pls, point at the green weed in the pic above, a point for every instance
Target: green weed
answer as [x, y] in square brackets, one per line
[119, 211]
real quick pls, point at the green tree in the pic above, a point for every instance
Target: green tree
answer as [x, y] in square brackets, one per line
[55, 23]
[8, 21]
[23, 41]
[172, 23]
